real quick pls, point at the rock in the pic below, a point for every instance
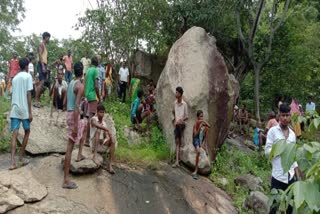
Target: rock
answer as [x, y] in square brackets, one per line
[258, 202]
[240, 146]
[249, 181]
[195, 64]
[223, 181]
[133, 136]
[8, 200]
[188, 157]
[24, 185]
[148, 66]
[85, 166]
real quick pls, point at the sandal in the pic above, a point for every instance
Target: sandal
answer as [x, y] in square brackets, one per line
[70, 185]
[37, 105]
[24, 162]
[195, 176]
[81, 159]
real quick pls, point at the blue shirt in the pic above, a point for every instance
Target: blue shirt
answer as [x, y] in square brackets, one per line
[134, 108]
[102, 76]
[256, 136]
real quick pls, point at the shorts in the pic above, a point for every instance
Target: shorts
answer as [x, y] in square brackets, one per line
[42, 76]
[92, 107]
[138, 115]
[70, 123]
[15, 124]
[179, 130]
[196, 142]
[59, 103]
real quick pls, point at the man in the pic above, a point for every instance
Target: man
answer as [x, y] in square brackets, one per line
[31, 66]
[86, 62]
[134, 86]
[59, 91]
[243, 119]
[310, 106]
[102, 76]
[42, 66]
[108, 80]
[13, 66]
[21, 110]
[76, 126]
[280, 179]
[100, 134]
[123, 81]
[136, 115]
[180, 113]
[92, 92]
[68, 63]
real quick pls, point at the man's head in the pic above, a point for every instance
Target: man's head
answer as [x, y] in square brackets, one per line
[258, 124]
[243, 106]
[46, 37]
[140, 94]
[309, 99]
[99, 59]
[30, 57]
[23, 63]
[94, 61]
[78, 69]
[69, 52]
[60, 75]
[15, 55]
[271, 115]
[200, 114]
[86, 54]
[100, 111]
[124, 64]
[179, 92]
[284, 114]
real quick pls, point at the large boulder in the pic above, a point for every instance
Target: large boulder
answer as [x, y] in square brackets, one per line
[8, 199]
[249, 181]
[195, 64]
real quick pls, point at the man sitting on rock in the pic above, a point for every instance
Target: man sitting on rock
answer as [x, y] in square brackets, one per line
[76, 126]
[180, 112]
[101, 135]
[58, 91]
[137, 114]
[200, 138]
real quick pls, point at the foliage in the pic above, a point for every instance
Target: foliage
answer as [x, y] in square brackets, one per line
[302, 195]
[149, 152]
[4, 140]
[230, 163]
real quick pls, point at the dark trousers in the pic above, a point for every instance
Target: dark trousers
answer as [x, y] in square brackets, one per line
[275, 184]
[122, 91]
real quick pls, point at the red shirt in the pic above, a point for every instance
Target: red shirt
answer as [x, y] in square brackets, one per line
[13, 67]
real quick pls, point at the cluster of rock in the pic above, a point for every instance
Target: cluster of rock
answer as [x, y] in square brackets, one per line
[195, 64]
[19, 187]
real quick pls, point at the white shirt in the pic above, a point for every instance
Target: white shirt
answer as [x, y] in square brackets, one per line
[86, 63]
[180, 110]
[93, 130]
[310, 107]
[21, 84]
[124, 73]
[62, 86]
[30, 68]
[275, 134]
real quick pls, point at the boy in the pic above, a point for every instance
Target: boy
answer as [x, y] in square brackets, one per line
[21, 110]
[58, 91]
[258, 136]
[98, 136]
[280, 179]
[180, 113]
[137, 115]
[200, 130]
[76, 126]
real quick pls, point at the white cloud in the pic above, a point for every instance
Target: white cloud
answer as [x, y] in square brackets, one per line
[55, 16]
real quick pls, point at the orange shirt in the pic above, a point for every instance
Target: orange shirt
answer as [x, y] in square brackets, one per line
[13, 67]
[68, 62]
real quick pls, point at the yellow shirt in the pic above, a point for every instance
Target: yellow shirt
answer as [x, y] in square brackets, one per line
[44, 55]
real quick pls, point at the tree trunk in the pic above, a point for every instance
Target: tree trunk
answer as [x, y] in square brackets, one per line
[257, 70]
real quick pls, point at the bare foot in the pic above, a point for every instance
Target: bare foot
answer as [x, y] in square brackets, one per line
[110, 170]
[69, 185]
[81, 158]
[13, 166]
[95, 160]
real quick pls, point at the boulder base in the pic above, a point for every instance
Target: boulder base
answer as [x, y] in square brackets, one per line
[258, 202]
[249, 181]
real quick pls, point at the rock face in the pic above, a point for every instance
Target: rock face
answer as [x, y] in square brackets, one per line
[85, 166]
[249, 181]
[195, 64]
[133, 136]
[148, 66]
[8, 200]
[49, 134]
[17, 187]
[258, 202]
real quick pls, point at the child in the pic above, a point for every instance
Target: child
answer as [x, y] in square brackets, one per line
[98, 135]
[200, 130]
[259, 138]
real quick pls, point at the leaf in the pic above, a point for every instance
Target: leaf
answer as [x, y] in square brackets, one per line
[298, 188]
[309, 148]
[277, 149]
[316, 122]
[312, 195]
[287, 156]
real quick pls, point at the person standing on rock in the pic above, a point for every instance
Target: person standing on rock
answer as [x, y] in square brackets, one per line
[123, 81]
[92, 92]
[200, 135]
[280, 179]
[180, 113]
[98, 136]
[42, 67]
[76, 126]
[21, 110]
[68, 61]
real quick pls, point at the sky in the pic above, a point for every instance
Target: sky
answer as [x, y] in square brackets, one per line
[54, 16]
